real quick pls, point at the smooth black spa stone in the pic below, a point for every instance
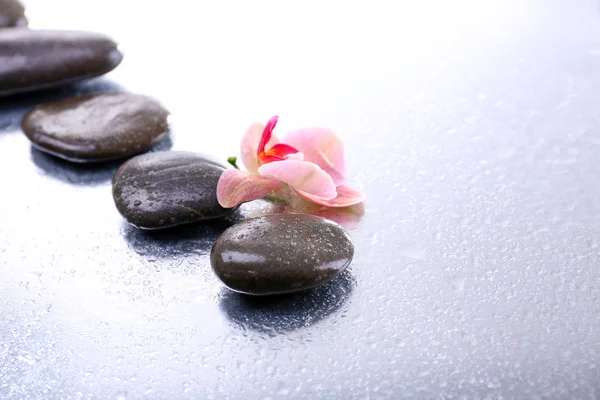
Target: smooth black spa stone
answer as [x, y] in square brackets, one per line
[281, 253]
[12, 14]
[97, 127]
[37, 59]
[166, 189]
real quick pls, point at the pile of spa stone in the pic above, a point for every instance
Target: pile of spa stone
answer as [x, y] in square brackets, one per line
[279, 253]
[88, 128]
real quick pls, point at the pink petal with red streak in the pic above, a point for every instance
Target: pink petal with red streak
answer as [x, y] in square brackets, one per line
[250, 143]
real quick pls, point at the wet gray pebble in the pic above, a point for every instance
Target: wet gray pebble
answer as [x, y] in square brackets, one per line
[97, 127]
[12, 14]
[37, 59]
[281, 253]
[166, 189]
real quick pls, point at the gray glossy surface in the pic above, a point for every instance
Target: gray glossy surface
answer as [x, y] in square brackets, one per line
[473, 127]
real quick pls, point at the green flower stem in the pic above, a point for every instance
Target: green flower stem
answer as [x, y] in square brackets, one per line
[276, 199]
[233, 161]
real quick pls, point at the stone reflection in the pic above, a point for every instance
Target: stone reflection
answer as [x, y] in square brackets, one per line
[73, 173]
[179, 241]
[348, 217]
[283, 313]
[84, 174]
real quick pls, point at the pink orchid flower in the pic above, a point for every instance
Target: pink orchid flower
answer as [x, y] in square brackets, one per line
[309, 160]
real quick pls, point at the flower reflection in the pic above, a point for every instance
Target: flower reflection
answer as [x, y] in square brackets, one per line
[287, 202]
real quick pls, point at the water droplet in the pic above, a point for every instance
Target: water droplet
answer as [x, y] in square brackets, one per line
[413, 251]
[283, 391]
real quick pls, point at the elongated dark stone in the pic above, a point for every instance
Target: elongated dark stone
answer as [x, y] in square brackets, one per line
[37, 59]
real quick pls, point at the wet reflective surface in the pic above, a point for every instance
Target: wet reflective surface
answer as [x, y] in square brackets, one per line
[473, 128]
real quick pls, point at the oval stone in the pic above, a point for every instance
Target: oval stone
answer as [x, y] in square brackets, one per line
[97, 127]
[12, 13]
[37, 59]
[281, 253]
[166, 189]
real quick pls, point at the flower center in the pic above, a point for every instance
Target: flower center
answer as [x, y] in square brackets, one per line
[279, 152]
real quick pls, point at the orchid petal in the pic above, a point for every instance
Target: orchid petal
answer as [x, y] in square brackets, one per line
[301, 175]
[320, 146]
[250, 143]
[269, 159]
[267, 133]
[236, 187]
[282, 149]
[295, 156]
[279, 152]
[346, 196]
